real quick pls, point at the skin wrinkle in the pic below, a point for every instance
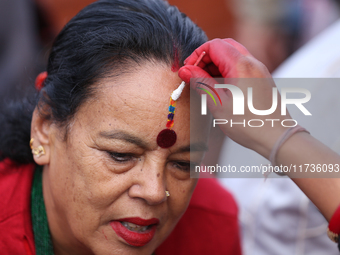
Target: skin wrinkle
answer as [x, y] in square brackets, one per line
[124, 137]
[140, 113]
[99, 189]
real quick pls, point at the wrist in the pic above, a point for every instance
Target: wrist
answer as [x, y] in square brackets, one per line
[282, 139]
[267, 140]
[271, 147]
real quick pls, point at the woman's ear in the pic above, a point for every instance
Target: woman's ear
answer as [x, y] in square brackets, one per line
[40, 136]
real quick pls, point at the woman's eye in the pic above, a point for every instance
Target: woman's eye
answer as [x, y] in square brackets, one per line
[121, 157]
[184, 166]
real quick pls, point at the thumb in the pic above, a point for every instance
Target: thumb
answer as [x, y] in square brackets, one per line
[189, 72]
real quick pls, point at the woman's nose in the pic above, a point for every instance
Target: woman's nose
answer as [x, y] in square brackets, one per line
[149, 185]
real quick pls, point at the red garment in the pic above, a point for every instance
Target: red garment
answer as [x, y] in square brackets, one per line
[16, 232]
[209, 226]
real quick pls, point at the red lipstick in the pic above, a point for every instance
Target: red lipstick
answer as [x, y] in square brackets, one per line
[135, 238]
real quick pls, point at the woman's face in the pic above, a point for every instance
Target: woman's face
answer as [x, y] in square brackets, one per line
[104, 186]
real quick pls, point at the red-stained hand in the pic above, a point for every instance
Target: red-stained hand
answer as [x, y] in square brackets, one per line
[224, 58]
[228, 59]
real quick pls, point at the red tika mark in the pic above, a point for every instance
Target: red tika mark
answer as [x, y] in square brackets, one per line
[166, 138]
[175, 64]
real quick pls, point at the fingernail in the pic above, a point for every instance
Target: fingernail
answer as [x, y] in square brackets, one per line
[185, 74]
[185, 61]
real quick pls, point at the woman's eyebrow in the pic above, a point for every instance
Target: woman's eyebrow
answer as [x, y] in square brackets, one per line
[121, 135]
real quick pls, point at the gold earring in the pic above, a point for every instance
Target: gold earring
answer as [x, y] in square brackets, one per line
[31, 143]
[39, 151]
[167, 193]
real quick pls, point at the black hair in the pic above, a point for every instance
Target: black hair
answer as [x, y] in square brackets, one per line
[103, 39]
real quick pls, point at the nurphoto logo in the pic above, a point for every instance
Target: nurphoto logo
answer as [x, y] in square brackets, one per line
[239, 104]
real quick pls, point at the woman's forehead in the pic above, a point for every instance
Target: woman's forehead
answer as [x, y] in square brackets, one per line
[149, 77]
[147, 86]
[137, 101]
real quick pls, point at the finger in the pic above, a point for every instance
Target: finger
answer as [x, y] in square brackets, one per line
[197, 53]
[188, 72]
[212, 70]
[219, 52]
[191, 60]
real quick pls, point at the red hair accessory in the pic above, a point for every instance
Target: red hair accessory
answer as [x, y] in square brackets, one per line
[39, 81]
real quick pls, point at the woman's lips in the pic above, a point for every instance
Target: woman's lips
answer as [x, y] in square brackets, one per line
[134, 235]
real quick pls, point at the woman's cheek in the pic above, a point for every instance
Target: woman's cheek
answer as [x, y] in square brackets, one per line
[180, 195]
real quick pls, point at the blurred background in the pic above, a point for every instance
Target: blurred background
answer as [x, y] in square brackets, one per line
[272, 30]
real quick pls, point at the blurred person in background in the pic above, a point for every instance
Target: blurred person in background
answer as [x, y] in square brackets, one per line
[268, 28]
[273, 29]
[275, 216]
[18, 48]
